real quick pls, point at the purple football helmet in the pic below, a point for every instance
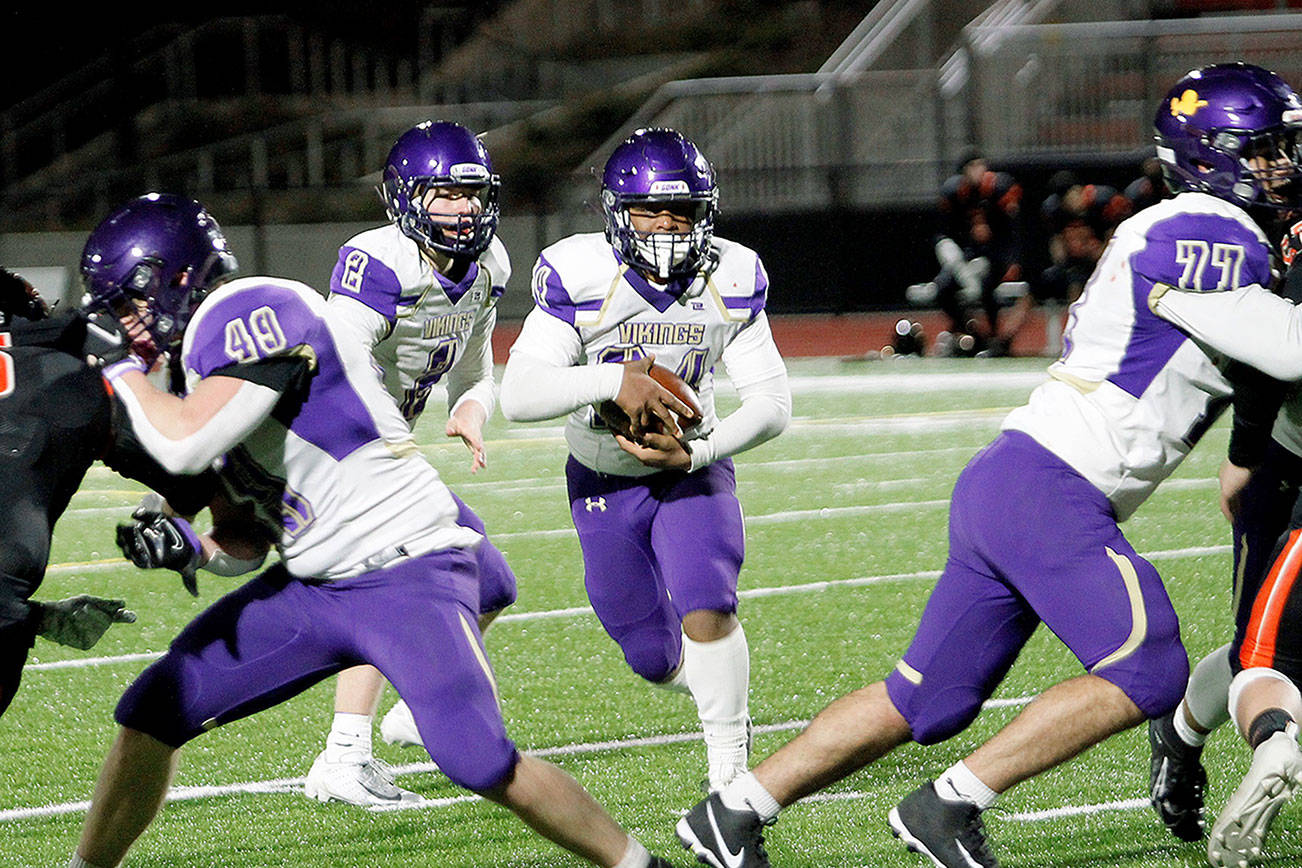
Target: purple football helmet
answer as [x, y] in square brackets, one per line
[162, 249]
[441, 154]
[656, 167]
[1217, 121]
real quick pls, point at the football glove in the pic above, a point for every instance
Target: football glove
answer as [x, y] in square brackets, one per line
[153, 541]
[79, 621]
[20, 298]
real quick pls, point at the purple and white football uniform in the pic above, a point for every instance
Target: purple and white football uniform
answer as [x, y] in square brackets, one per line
[422, 329]
[375, 567]
[635, 522]
[1033, 520]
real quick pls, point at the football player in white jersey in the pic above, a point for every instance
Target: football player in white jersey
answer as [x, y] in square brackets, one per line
[657, 516]
[1033, 523]
[421, 295]
[374, 566]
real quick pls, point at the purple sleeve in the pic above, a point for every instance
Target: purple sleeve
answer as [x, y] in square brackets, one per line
[1203, 252]
[758, 297]
[550, 294]
[257, 322]
[362, 276]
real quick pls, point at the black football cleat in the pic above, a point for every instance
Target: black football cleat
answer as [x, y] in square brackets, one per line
[722, 837]
[950, 834]
[1176, 781]
[657, 862]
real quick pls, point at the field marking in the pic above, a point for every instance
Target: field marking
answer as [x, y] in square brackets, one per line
[293, 785]
[574, 611]
[1019, 816]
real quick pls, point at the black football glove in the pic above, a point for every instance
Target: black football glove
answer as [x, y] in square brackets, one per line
[153, 541]
[20, 298]
[79, 621]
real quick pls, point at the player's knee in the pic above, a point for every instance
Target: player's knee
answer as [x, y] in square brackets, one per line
[496, 591]
[652, 656]
[497, 587]
[934, 715]
[150, 705]
[1153, 677]
[485, 769]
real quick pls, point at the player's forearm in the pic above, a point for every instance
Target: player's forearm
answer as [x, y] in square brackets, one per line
[764, 413]
[471, 379]
[185, 435]
[533, 390]
[1252, 325]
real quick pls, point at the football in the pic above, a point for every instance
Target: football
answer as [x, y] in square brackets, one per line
[618, 422]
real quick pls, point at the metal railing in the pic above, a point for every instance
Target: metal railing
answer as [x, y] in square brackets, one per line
[1025, 92]
[1086, 89]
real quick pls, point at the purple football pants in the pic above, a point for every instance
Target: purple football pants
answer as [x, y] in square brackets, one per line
[655, 548]
[276, 636]
[1031, 540]
[497, 588]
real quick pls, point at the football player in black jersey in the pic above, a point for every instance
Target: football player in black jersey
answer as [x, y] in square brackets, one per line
[57, 416]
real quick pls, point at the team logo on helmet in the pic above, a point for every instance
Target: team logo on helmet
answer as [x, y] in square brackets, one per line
[1187, 104]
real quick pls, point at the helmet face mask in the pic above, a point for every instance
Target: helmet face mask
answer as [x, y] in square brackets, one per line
[652, 172]
[434, 158]
[150, 263]
[1232, 131]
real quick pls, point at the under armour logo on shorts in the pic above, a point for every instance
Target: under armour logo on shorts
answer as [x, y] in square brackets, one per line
[594, 504]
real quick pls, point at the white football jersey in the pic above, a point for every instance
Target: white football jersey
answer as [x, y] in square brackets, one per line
[420, 325]
[1132, 393]
[338, 478]
[619, 316]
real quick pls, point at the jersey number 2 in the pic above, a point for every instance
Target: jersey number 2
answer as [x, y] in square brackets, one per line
[6, 367]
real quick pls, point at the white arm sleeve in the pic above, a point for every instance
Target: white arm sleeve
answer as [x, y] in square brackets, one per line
[757, 370]
[1250, 324]
[365, 323]
[226, 428]
[543, 379]
[471, 378]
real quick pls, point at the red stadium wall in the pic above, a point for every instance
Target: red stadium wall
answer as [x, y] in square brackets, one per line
[851, 334]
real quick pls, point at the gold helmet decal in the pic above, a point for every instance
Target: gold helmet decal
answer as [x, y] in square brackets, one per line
[1188, 104]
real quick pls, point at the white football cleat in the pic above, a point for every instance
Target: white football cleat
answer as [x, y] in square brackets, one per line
[368, 783]
[1272, 779]
[399, 727]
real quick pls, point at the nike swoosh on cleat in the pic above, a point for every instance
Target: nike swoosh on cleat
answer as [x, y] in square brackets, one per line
[730, 859]
[966, 855]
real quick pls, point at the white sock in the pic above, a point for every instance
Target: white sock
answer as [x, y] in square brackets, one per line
[677, 683]
[1184, 731]
[747, 793]
[78, 862]
[1207, 696]
[959, 784]
[636, 856]
[718, 673]
[349, 739]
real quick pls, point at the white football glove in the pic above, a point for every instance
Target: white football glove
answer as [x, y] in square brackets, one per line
[79, 621]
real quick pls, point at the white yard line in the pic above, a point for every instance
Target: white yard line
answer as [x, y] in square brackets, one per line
[574, 611]
[290, 785]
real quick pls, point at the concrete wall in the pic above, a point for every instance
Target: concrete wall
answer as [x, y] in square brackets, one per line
[303, 252]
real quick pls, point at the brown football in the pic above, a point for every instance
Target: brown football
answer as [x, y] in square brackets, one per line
[618, 422]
